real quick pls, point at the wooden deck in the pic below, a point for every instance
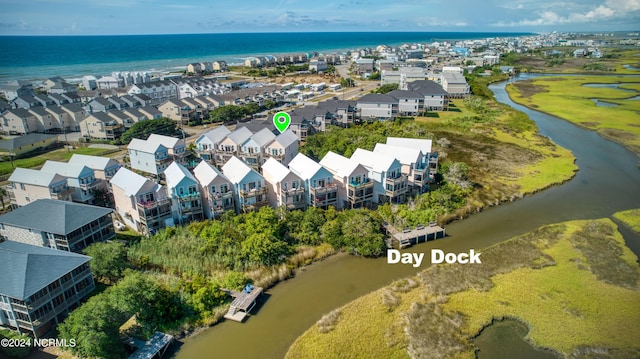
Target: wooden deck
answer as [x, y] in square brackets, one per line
[155, 347]
[421, 233]
[242, 303]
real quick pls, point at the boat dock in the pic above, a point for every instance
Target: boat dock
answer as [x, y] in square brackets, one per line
[153, 348]
[408, 237]
[242, 303]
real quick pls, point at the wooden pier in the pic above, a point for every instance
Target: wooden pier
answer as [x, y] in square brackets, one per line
[242, 303]
[154, 348]
[408, 237]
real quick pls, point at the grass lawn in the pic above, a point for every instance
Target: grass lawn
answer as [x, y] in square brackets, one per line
[55, 155]
[631, 218]
[567, 98]
[575, 285]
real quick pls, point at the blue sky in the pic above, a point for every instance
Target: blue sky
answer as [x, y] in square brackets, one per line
[92, 17]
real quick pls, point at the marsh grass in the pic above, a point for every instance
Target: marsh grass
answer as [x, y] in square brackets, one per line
[328, 321]
[630, 218]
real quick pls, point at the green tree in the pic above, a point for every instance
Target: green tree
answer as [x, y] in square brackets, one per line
[142, 129]
[362, 234]
[95, 327]
[109, 260]
[348, 82]
[226, 113]
[375, 76]
[385, 88]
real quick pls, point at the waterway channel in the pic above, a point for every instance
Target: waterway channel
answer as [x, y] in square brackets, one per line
[608, 181]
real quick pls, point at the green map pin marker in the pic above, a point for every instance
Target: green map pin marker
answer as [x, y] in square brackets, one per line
[282, 120]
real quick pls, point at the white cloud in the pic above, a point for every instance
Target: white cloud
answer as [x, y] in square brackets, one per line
[435, 22]
[611, 9]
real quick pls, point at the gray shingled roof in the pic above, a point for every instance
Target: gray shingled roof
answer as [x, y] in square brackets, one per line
[26, 269]
[426, 87]
[53, 216]
[377, 98]
[17, 142]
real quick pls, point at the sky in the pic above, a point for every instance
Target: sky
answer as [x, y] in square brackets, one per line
[110, 17]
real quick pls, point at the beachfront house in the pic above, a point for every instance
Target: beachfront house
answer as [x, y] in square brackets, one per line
[40, 287]
[390, 184]
[58, 224]
[285, 188]
[322, 191]
[183, 189]
[217, 190]
[142, 204]
[248, 185]
[355, 188]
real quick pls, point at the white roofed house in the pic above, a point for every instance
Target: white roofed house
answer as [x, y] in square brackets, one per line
[355, 188]
[455, 84]
[286, 189]
[283, 148]
[424, 145]
[217, 190]
[207, 143]
[249, 185]
[103, 167]
[414, 164]
[231, 145]
[322, 191]
[252, 150]
[79, 177]
[386, 171]
[27, 185]
[141, 203]
[148, 157]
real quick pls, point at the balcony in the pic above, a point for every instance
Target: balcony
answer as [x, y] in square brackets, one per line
[360, 192]
[150, 211]
[61, 194]
[288, 198]
[163, 160]
[253, 192]
[220, 196]
[87, 186]
[398, 184]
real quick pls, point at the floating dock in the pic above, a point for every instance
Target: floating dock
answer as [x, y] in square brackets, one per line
[242, 303]
[408, 237]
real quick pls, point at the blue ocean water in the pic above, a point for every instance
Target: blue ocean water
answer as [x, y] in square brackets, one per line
[34, 57]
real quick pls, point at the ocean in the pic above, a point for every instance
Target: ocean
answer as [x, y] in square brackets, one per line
[71, 57]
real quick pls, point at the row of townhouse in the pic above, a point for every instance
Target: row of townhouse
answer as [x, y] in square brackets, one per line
[103, 104]
[390, 173]
[219, 145]
[206, 66]
[75, 180]
[44, 100]
[58, 119]
[111, 124]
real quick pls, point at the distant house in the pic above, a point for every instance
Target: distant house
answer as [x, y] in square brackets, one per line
[20, 145]
[285, 188]
[219, 66]
[435, 97]
[40, 286]
[317, 65]
[141, 203]
[402, 76]
[217, 190]
[62, 87]
[158, 91]
[390, 183]
[109, 82]
[249, 185]
[194, 68]
[101, 126]
[377, 106]
[89, 82]
[183, 189]
[58, 224]
[363, 66]
[322, 191]
[355, 188]
[455, 84]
